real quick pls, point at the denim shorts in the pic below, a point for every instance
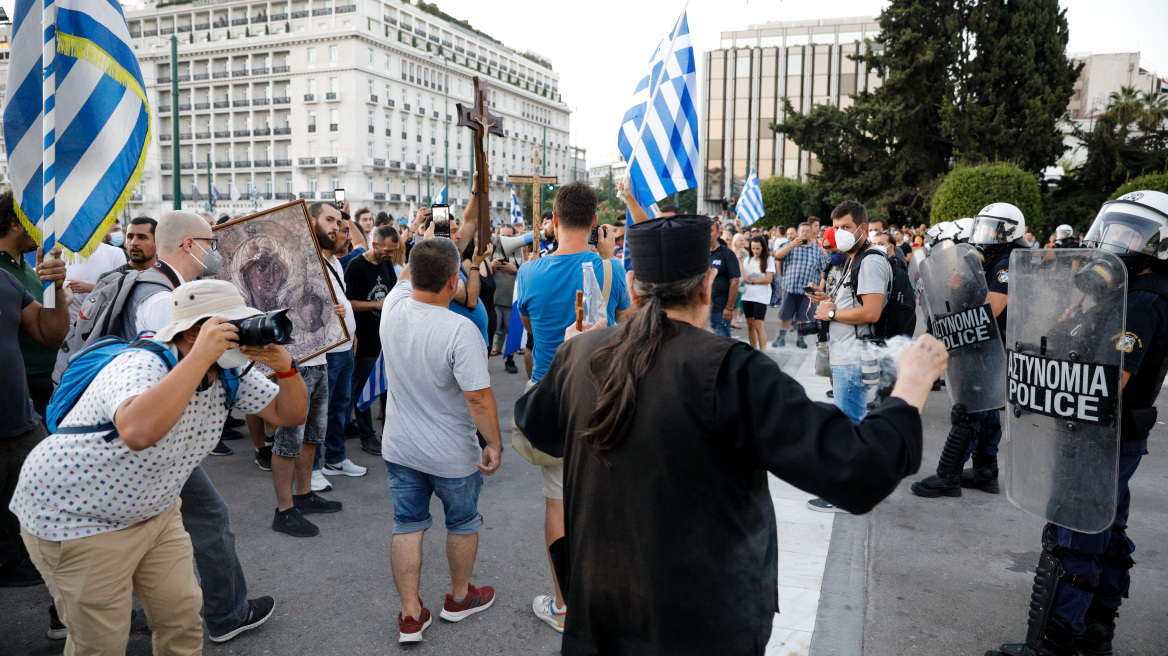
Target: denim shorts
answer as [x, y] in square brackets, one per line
[288, 441]
[411, 490]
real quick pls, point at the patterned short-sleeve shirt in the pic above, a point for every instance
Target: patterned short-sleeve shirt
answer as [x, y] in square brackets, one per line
[77, 485]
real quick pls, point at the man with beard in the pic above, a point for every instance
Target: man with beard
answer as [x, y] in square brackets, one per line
[139, 245]
[291, 463]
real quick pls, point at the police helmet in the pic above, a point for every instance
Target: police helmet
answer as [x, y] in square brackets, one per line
[940, 235]
[1063, 231]
[999, 223]
[1134, 227]
[964, 229]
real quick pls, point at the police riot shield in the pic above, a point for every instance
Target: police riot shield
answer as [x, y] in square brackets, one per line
[954, 290]
[914, 270]
[1065, 342]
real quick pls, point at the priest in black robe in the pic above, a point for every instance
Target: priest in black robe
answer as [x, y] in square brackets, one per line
[667, 433]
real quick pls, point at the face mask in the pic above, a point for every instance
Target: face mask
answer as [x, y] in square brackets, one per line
[232, 359]
[845, 240]
[212, 262]
[116, 238]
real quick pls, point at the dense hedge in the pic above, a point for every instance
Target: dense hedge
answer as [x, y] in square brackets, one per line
[1147, 182]
[785, 202]
[967, 189]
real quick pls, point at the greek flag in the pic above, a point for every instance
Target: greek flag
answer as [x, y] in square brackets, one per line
[659, 134]
[750, 202]
[76, 120]
[375, 386]
[516, 208]
[440, 199]
[214, 194]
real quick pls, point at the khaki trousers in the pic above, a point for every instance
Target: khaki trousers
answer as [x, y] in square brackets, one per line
[94, 579]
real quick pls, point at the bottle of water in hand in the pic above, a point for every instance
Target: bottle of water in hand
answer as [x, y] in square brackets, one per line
[594, 309]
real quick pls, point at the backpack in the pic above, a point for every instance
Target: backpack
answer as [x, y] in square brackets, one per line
[899, 316]
[87, 363]
[110, 309]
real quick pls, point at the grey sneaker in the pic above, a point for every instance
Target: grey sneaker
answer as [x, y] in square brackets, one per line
[258, 611]
[820, 505]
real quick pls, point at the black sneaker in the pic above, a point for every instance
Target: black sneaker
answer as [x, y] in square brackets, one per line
[57, 629]
[314, 503]
[263, 458]
[371, 446]
[830, 394]
[509, 366]
[221, 449]
[19, 576]
[351, 430]
[290, 521]
[800, 343]
[232, 428]
[258, 612]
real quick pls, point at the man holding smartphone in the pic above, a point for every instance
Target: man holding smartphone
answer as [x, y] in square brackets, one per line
[803, 262]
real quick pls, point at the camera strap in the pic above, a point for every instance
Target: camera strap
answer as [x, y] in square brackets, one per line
[335, 275]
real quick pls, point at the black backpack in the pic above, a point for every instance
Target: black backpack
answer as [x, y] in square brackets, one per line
[900, 309]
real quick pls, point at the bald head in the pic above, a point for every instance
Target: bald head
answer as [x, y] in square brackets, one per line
[175, 227]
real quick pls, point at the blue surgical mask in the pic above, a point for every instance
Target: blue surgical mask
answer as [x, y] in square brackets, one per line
[116, 238]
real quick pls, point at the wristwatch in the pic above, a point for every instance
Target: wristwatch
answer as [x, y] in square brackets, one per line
[291, 372]
[831, 315]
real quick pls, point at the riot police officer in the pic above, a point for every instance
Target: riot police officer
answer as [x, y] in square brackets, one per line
[1082, 578]
[1064, 237]
[998, 229]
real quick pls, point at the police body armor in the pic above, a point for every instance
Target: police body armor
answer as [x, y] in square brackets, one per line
[1064, 351]
[954, 290]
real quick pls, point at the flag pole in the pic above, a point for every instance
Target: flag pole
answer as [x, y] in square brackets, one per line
[653, 98]
[48, 134]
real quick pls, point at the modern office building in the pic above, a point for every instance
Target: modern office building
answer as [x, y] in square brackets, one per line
[744, 82]
[286, 99]
[1103, 75]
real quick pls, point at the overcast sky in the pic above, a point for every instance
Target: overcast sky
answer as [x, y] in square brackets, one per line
[600, 48]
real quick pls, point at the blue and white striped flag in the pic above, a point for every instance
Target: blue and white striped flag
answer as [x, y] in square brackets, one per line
[750, 202]
[375, 386]
[76, 130]
[659, 134]
[440, 199]
[516, 208]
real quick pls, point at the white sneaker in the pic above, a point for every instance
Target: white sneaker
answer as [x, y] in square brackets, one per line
[320, 483]
[343, 468]
[544, 607]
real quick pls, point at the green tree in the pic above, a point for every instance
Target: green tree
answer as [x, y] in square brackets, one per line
[785, 202]
[1150, 181]
[967, 189]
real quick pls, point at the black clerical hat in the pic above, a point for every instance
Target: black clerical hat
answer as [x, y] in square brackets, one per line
[670, 249]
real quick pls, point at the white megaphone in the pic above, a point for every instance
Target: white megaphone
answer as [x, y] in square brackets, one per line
[511, 246]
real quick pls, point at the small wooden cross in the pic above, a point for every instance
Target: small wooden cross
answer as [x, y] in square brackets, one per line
[535, 180]
[481, 123]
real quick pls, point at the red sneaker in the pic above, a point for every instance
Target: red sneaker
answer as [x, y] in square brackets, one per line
[411, 628]
[476, 601]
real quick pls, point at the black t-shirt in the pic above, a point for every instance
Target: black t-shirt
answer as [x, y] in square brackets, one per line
[906, 248]
[998, 280]
[19, 416]
[366, 281]
[724, 260]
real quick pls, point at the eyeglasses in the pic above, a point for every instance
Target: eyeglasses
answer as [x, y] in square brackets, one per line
[214, 241]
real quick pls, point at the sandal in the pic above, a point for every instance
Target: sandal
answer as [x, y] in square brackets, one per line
[495, 352]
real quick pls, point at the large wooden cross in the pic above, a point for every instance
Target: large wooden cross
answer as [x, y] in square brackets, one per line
[481, 123]
[536, 181]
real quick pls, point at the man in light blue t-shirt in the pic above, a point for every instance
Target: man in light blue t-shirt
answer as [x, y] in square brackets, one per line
[545, 292]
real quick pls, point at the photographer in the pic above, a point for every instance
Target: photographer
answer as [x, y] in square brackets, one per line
[145, 423]
[803, 262]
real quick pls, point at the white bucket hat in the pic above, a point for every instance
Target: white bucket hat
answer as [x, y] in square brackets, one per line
[202, 299]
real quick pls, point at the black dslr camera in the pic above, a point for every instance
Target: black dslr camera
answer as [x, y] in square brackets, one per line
[268, 328]
[813, 327]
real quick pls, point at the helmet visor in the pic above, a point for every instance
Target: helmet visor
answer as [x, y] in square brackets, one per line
[989, 230]
[1125, 229]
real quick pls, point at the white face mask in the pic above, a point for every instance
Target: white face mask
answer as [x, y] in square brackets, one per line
[232, 359]
[845, 240]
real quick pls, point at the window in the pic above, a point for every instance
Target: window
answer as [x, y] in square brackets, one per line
[369, 85]
[334, 150]
[334, 84]
[369, 147]
[369, 55]
[311, 56]
[332, 54]
[387, 62]
[312, 185]
[312, 85]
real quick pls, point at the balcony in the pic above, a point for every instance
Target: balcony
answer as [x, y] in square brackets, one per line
[422, 111]
[186, 166]
[278, 17]
[282, 131]
[282, 100]
[202, 106]
[202, 135]
[396, 198]
[186, 136]
[150, 33]
[403, 135]
[282, 162]
[433, 141]
[300, 14]
[394, 164]
[240, 103]
[220, 104]
[239, 73]
[262, 18]
[219, 75]
[166, 31]
[262, 132]
[184, 107]
[259, 71]
[411, 198]
[378, 164]
[347, 10]
[276, 70]
[262, 163]
[391, 20]
[203, 26]
[308, 195]
[166, 166]
[328, 161]
[306, 161]
[309, 97]
[164, 109]
[238, 21]
[332, 95]
[333, 127]
[223, 164]
[284, 195]
[242, 133]
[389, 101]
[435, 114]
[199, 77]
[439, 169]
[410, 166]
[165, 136]
[378, 195]
[312, 127]
[167, 196]
[370, 129]
[388, 132]
[222, 134]
[243, 164]
[203, 166]
[260, 102]
[373, 98]
[406, 106]
[322, 12]
[419, 138]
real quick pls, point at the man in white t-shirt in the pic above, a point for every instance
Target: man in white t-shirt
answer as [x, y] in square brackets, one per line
[439, 393]
[98, 501]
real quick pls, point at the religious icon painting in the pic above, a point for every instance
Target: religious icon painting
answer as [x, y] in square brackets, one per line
[273, 258]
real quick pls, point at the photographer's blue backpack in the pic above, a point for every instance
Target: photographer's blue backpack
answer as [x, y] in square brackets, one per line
[83, 368]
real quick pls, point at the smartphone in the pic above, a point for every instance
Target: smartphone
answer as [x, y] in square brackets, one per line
[339, 196]
[440, 215]
[594, 236]
[808, 289]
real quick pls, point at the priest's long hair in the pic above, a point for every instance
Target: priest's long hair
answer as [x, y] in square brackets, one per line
[619, 367]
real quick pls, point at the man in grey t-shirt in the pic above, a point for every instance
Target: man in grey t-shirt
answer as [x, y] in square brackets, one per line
[439, 393]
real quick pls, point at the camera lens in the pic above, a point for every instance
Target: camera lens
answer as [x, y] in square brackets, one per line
[270, 328]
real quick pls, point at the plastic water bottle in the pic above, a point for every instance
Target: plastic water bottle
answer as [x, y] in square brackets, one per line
[594, 308]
